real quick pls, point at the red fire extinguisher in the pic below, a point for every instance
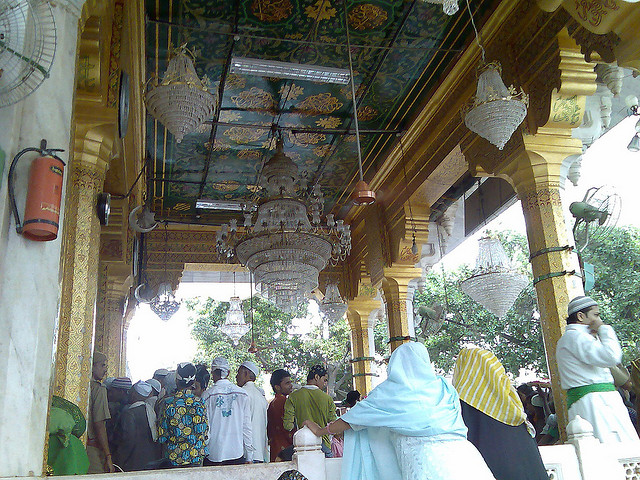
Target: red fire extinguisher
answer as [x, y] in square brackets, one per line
[44, 194]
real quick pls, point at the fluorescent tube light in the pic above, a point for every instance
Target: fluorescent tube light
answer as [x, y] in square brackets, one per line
[230, 205]
[293, 71]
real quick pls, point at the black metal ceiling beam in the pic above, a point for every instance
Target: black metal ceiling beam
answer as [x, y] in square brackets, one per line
[328, 131]
[310, 42]
[216, 115]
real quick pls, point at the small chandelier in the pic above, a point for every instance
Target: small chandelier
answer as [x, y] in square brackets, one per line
[449, 7]
[496, 111]
[234, 325]
[164, 304]
[495, 284]
[181, 102]
[333, 306]
[283, 248]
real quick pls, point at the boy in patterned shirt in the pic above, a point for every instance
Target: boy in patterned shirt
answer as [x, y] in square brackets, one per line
[183, 422]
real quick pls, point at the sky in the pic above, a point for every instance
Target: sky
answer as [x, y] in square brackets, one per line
[153, 344]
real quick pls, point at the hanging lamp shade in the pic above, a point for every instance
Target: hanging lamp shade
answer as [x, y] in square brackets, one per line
[181, 101]
[496, 111]
[449, 7]
[332, 306]
[494, 284]
[164, 304]
[234, 325]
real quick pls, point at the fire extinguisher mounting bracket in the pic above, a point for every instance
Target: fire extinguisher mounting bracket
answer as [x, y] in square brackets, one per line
[44, 152]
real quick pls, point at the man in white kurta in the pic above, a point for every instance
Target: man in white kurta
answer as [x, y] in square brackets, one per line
[247, 374]
[584, 354]
[229, 416]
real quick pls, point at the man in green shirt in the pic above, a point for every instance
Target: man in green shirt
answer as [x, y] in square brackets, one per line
[311, 403]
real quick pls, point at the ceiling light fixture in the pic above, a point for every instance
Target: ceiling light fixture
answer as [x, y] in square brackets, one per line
[496, 111]
[283, 248]
[362, 193]
[632, 103]
[181, 101]
[289, 70]
[449, 7]
[333, 307]
[165, 304]
[230, 205]
[234, 325]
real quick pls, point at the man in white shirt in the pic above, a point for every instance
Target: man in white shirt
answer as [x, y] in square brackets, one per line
[584, 354]
[229, 418]
[245, 378]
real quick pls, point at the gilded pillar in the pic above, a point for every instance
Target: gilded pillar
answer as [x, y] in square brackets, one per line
[398, 296]
[535, 175]
[362, 346]
[81, 239]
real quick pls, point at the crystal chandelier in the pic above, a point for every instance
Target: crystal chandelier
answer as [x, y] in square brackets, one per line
[181, 102]
[449, 7]
[164, 304]
[333, 306]
[283, 248]
[234, 325]
[496, 111]
[494, 284]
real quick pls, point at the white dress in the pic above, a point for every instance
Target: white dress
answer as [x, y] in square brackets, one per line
[441, 457]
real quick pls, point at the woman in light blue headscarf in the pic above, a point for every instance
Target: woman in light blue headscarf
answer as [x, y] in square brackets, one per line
[409, 427]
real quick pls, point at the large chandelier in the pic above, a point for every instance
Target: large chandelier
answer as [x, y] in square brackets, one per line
[495, 284]
[181, 102]
[285, 248]
[496, 111]
[234, 325]
[333, 306]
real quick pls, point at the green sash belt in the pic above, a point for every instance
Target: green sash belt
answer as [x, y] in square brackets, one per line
[575, 394]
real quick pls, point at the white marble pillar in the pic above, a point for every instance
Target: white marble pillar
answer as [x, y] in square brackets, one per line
[29, 271]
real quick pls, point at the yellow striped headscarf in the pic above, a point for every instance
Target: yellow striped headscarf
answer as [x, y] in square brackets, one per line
[481, 382]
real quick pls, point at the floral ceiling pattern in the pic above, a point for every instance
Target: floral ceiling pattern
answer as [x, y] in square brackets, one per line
[401, 51]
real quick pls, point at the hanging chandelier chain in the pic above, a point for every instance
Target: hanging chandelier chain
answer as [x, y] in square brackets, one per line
[475, 29]
[353, 91]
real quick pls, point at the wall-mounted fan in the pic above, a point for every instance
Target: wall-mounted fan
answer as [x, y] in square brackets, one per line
[595, 215]
[142, 220]
[27, 47]
[431, 319]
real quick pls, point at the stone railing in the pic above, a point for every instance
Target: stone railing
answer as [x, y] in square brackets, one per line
[582, 458]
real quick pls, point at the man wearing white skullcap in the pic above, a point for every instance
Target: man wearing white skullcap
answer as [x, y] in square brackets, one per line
[245, 378]
[230, 440]
[584, 354]
[135, 434]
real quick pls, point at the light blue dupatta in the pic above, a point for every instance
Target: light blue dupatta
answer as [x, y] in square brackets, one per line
[413, 401]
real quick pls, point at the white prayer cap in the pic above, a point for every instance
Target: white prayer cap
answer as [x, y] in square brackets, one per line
[252, 367]
[222, 364]
[143, 388]
[155, 384]
[161, 372]
[580, 303]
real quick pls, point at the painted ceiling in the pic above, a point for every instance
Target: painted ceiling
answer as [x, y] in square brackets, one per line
[401, 51]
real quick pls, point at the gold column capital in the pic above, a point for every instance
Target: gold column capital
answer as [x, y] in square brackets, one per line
[358, 315]
[395, 286]
[360, 309]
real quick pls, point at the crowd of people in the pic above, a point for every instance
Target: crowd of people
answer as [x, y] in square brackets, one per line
[414, 425]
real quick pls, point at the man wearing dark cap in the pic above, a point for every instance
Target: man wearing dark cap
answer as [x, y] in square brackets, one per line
[311, 403]
[97, 441]
[279, 438]
[584, 354]
[182, 424]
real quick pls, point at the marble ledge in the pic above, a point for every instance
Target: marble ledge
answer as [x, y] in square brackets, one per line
[268, 471]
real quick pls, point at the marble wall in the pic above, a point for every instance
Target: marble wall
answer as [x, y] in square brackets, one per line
[30, 271]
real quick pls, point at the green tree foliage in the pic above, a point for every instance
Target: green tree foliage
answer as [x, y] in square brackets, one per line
[616, 258]
[278, 345]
